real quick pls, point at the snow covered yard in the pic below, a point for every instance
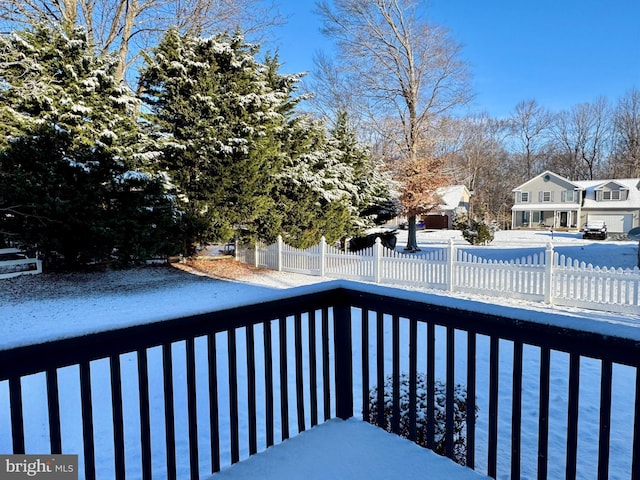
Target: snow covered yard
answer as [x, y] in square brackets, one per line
[40, 308]
[83, 303]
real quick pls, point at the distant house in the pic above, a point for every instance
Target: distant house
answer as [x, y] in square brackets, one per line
[551, 201]
[454, 198]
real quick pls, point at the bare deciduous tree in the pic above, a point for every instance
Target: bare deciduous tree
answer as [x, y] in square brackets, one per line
[401, 66]
[583, 135]
[626, 124]
[531, 124]
[127, 27]
[480, 164]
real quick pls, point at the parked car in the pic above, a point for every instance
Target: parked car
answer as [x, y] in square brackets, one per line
[595, 229]
[419, 225]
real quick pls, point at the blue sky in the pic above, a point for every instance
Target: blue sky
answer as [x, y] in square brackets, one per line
[558, 52]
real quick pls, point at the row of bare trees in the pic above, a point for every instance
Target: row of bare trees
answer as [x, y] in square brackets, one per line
[587, 141]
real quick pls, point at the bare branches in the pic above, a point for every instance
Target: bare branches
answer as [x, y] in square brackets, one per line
[581, 133]
[626, 123]
[404, 65]
[18, 211]
[406, 68]
[531, 124]
[125, 27]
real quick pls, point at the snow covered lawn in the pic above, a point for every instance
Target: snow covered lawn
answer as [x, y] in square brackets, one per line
[43, 307]
[46, 307]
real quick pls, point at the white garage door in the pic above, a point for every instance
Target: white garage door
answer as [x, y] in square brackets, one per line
[615, 222]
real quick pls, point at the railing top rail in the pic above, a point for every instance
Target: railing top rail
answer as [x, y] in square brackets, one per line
[4, 251]
[591, 337]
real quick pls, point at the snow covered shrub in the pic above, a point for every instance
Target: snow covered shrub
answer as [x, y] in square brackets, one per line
[459, 413]
[460, 218]
[478, 233]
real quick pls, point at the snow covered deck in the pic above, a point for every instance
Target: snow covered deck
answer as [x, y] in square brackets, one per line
[351, 450]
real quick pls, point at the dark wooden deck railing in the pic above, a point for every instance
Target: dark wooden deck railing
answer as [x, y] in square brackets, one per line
[338, 342]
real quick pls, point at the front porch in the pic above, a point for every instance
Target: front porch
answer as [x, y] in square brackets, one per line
[186, 398]
[545, 216]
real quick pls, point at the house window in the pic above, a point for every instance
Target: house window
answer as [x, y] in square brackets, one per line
[524, 197]
[547, 197]
[569, 196]
[611, 195]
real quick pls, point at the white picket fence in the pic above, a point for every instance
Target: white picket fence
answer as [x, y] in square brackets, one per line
[20, 265]
[546, 277]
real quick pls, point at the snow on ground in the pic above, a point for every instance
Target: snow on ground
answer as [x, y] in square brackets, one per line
[346, 450]
[38, 308]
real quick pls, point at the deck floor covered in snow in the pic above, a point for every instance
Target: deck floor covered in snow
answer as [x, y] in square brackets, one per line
[350, 449]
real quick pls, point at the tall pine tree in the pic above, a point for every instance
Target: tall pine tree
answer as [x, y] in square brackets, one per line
[76, 168]
[220, 114]
[375, 200]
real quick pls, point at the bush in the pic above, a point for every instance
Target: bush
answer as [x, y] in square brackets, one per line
[478, 233]
[388, 240]
[459, 413]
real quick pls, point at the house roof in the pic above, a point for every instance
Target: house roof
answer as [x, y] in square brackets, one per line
[551, 174]
[451, 196]
[590, 186]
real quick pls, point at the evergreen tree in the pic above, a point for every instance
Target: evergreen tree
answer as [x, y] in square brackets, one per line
[220, 114]
[315, 189]
[329, 186]
[77, 170]
[374, 200]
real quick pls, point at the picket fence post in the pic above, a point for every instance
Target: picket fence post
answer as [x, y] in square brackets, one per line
[548, 270]
[451, 252]
[256, 252]
[279, 253]
[323, 255]
[377, 261]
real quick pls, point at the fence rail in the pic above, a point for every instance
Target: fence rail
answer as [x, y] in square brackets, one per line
[547, 277]
[215, 388]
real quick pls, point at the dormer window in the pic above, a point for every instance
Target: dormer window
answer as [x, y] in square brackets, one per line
[611, 195]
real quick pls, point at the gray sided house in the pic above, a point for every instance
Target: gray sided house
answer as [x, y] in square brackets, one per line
[551, 201]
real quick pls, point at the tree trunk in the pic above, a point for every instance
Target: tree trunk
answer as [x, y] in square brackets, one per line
[412, 242]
